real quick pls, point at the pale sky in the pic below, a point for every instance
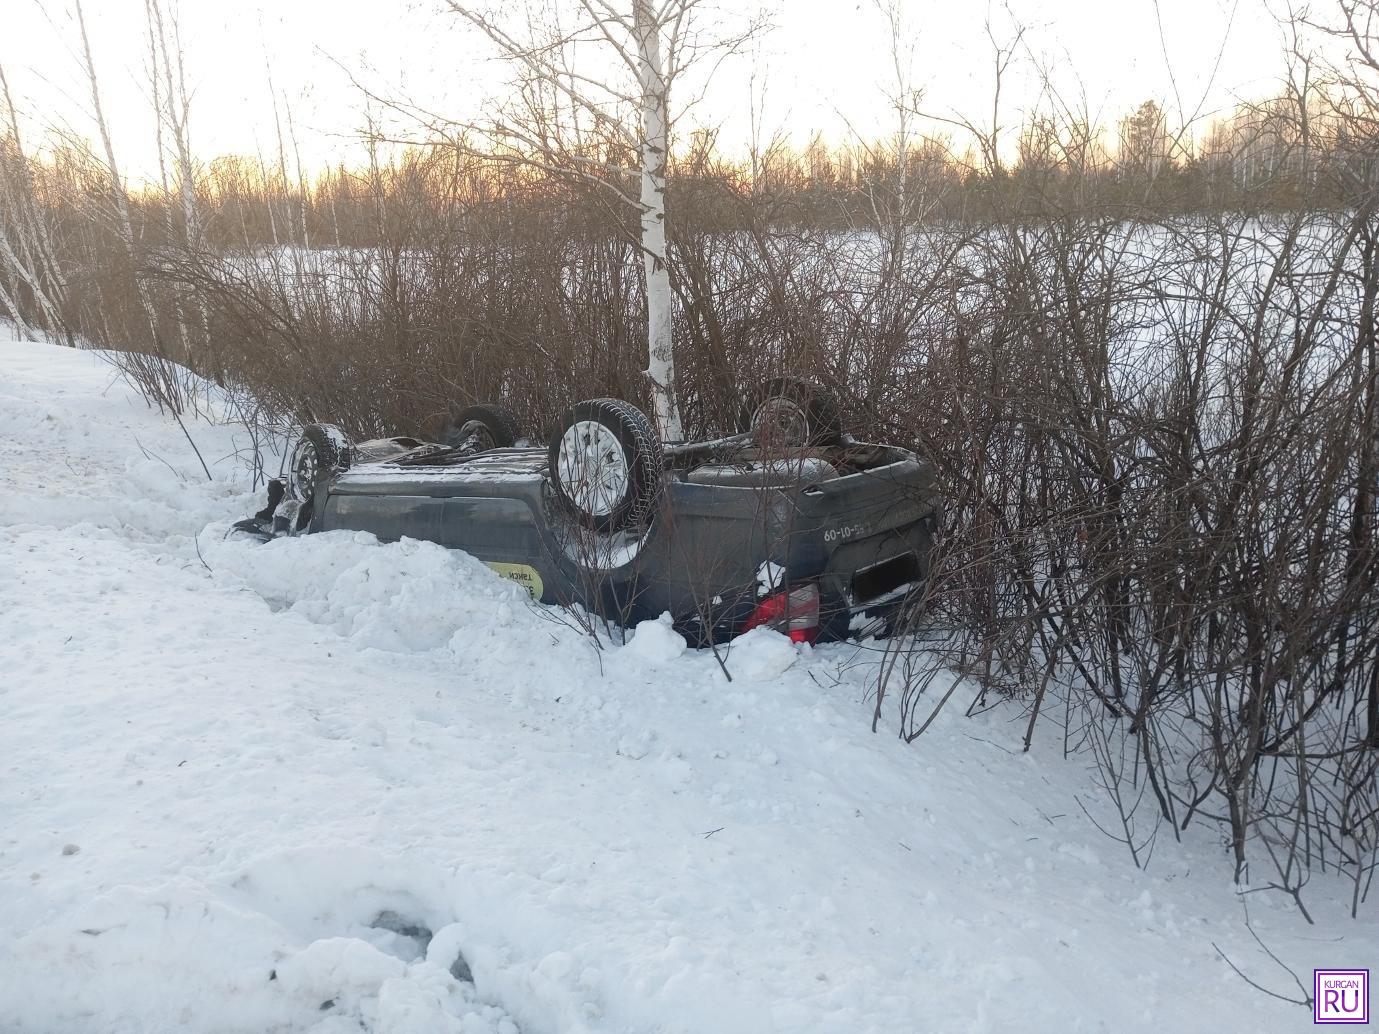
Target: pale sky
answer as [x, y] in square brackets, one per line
[825, 64]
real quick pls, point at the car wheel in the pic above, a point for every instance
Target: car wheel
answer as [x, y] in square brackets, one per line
[605, 465]
[789, 412]
[480, 428]
[322, 452]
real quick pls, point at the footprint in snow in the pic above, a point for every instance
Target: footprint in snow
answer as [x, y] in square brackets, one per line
[371, 941]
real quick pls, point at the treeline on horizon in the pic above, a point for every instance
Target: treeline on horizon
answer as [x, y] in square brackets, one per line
[1264, 159]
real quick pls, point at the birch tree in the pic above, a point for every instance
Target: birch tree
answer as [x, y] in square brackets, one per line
[172, 120]
[660, 368]
[119, 196]
[593, 102]
[176, 113]
[26, 250]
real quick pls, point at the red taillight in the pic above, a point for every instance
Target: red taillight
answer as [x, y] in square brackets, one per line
[795, 613]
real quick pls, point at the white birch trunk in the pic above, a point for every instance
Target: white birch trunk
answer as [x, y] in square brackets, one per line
[268, 204]
[25, 334]
[660, 367]
[117, 189]
[21, 270]
[178, 103]
[333, 187]
[301, 179]
[282, 161]
[153, 14]
[35, 249]
[179, 118]
[27, 252]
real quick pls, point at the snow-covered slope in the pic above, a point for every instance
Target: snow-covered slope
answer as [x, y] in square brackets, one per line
[322, 783]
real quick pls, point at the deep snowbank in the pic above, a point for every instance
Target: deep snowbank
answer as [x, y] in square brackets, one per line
[323, 783]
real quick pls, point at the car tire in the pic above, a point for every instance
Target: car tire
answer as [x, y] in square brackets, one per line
[321, 453]
[606, 465]
[792, 413]
[488, 425]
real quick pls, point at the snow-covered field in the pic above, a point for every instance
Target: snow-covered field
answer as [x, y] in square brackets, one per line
[323, 783]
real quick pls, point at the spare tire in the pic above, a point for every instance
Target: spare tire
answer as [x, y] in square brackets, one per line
[789, 412]
[322, 452]
[483, 427]
[605, 465]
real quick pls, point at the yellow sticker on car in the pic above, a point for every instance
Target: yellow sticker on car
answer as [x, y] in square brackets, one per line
[522, 574]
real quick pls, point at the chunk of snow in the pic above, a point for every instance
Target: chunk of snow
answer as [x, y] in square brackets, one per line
[337, 965]
[770, 577]
[656, 641]
[761, 654]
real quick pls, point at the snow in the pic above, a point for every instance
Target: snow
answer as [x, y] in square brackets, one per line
[327, 784]
[769, 575]
[761, 654]
[656, 641]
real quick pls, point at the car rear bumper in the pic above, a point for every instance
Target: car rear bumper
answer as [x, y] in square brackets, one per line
[721, 620]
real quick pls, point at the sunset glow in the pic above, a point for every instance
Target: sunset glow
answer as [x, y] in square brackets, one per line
[824, 66]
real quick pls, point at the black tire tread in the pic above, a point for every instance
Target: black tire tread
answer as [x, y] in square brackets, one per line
[334, 455]
[331, 454]
[645, 469]
[501, 422]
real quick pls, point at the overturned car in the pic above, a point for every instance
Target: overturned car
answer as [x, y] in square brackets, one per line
[789, 524]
